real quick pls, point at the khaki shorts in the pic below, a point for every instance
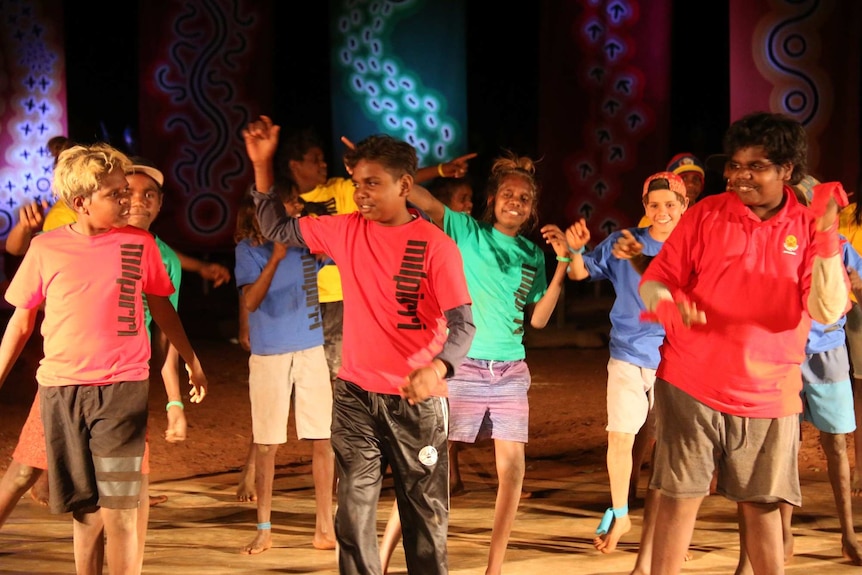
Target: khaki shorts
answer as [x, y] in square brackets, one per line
[756, 459]
[630, 396]
[271, 381]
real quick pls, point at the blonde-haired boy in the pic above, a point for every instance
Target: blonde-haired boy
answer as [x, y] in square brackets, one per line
[91, 275]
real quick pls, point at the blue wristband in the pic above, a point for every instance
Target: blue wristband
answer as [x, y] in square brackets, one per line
[264, 526]
[580, 250]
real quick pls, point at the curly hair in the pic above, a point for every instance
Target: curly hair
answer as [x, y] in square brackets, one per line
[512, 165]
[81, 169]
[782, 138]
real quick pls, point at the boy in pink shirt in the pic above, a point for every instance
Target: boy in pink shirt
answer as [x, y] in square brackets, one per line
[91, 276]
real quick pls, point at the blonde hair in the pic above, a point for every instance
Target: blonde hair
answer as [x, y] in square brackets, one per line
[80, 170]
[523, 167]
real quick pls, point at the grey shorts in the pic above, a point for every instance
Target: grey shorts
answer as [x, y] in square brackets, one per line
[95, 436]
[756, 458]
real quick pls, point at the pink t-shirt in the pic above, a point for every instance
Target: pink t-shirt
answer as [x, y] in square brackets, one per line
[398, 281]
[93, 329]
[752, 278]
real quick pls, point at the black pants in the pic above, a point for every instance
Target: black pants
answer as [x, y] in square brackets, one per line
[369, 432]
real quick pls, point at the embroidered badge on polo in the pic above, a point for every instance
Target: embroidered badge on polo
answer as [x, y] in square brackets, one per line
[791, 245]
[428, 456]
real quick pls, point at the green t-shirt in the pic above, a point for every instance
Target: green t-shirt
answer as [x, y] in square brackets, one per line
[504, 274]
[175, 272]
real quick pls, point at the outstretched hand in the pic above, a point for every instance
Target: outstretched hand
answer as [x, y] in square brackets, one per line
[216, 273]
[457, 168]
[577, 235]
[261, 140]
[626, 247]
[555, 237]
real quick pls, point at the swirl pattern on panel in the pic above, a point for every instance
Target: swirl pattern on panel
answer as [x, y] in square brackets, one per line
[388, 93]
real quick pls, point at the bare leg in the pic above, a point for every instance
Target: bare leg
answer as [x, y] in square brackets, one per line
[838, 466]
[643, 442]
[264, 477]
[651, 503]
[245, 491]
[764, 543]
[456, 485]
[509, 457]
[39, 490]
[323, 472]
[391, 536]
[619, 460]
[88, 539]
[121, 536]
[856, 487]
[677, 517]
[15, 483]
[143, 519]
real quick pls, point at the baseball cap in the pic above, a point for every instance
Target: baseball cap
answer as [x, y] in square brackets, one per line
[664, 181]
[685, 162]
[144, 166]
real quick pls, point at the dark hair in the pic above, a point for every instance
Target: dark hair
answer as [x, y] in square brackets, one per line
[58, 144]
[397, 157]
[294, 147]
[523, 167]
[246, 222]
[444, 188]
[783, 140]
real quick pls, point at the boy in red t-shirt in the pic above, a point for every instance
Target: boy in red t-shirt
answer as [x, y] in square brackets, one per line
[407, 326]
[91, 276]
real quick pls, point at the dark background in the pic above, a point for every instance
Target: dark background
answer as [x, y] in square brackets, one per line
[502, 84]
[503, 41]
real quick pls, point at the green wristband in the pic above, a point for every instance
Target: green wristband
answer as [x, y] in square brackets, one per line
[172, 403]
[564, 260]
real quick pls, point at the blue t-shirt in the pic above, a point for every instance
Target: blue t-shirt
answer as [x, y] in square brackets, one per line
[825, 337]
[288, 318]
[632, 340]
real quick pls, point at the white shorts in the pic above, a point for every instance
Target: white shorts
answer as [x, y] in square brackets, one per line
[630, 396]
[272, 379]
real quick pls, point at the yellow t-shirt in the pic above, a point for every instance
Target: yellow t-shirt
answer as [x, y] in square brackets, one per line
[337, 197]
[59, 215]
[847, 227]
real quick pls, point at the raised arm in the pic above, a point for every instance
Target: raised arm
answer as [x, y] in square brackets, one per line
[261, 140]
[456, 168]
[426, 202]
[30, 219]
[828, 298]
[577, 236]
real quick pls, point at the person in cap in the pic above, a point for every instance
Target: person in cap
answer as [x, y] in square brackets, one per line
[634, 345]
[688, 167]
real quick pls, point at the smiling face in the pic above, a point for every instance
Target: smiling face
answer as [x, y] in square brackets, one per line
[145, 200]
[664, 209]
[513, 204]
[757, 182]
[380, 196]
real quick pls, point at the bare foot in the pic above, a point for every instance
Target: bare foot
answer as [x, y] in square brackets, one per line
[851, 550]
[39, 490]
[246, 491]
[526, 494]
[261, 542]
[608, 542]
[323, 542]
[157, 499]
[688, 556]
